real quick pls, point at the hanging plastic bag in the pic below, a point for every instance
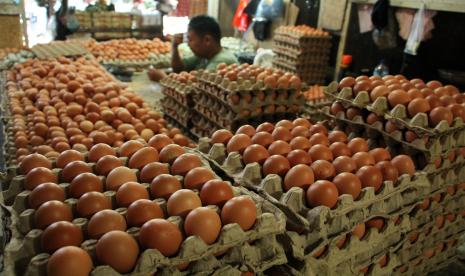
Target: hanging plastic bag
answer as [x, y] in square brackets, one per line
[241, 20]
[51, 32]
[270, 9]
[416, 32]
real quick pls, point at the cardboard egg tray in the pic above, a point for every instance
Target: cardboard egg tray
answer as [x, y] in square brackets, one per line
[57, 49]
[398, 114]
[319, 222]
[176, 111]
[301, 52]
[436, 146]
[182, 92]
[301, 66]
[299, 40]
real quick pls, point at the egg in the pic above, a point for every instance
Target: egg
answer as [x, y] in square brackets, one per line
[60, 234]
[130, 147]
[439, 114]
[379, 91]
[164, 185]
[45, 192]
[336, 107]
[130, 192]
[404, 164]
[299, 176]
[91, 203]
[377, 223]
[340, 149]
[322, 193]
[141, 211]
[265, 127]
[298, 157]
[348, 183]
[281, 133]
[337, 136]
[300, 131]
[262, 138]
[83, 183]
[107, 163]
[170, 152]
[358, 145]
[98, 151]
[301, 122]
[153, 234]
[389, 171]
[117, 249]
[37, 176]
[32, 161]
[69, 258]
[247, 130]
[240, 210]
[380, 154]
[363, 159]
[276, 164]
[359, 231]
[370, 176]
[73, 169]
[398, 96]
[203, 222]
[196, 177]
[181, 202]
[152, 170]
[105, 221]
[221, 136]
[216, 192]
[320, 152]
[344, 164]
[50, 212]
[279, 148]
[184, 163]
[346, 82]
[159, 141]
[118, 176]
[142, 157]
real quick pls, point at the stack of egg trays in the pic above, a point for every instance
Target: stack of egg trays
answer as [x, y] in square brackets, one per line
[424, 254]
[255, 249]
[177, 102]
[442, 138]
[8, 146]
[320, 223]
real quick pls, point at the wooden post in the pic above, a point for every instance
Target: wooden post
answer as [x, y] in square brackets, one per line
[342, 41]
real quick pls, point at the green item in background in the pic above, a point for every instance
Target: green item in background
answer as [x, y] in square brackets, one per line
[196, 63]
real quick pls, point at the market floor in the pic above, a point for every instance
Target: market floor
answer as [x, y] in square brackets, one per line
[150, 91]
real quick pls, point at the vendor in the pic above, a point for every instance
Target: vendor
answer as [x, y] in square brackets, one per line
[204, 39]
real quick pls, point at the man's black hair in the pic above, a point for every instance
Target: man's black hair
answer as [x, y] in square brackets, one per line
[203, 25]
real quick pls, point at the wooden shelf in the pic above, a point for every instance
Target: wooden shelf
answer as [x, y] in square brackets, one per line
[439, 5]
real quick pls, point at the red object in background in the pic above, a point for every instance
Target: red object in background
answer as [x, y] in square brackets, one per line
[241, 20]
[182, 9]
[346, 59]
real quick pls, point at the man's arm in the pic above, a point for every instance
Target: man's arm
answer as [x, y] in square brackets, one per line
[176, 62]
[63, 8]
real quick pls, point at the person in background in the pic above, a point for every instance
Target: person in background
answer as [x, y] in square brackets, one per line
[61, 30]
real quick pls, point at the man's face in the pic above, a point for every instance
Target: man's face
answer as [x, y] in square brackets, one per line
[198, 44]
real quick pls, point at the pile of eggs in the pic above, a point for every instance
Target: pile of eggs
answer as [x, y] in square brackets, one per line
[272, 78]
[140, 175]
[59, 104]
[127, 49]
[440, 102]
[302, 30]
[324, 164]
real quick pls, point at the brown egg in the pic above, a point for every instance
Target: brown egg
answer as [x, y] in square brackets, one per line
[37, 176]
[32, 161]
[103, 222]
[296, 157]
[299, 176]
[60, 234]
[363, 85]
[107, 163]
[301, 122]
[439, 114]
[153, 235]
[371, 177]
[247, 130]
[239, 143]
[129, 148]
[98, 151]
[50, 212]
[319, 139]
[398, 96]
[379, 91]
[320, 152]
[216, 192]
[184, 163]
[255, 153]
[346, 82]
[340, 149]
[45, 192]
[130, 192]
[358, 145]
[170, 152]
[363, 159]
[348, 183]
[159, 141]
[300, 131]
[74, 169]
[141, 211]
[91, 203]
[285, 123]
[440, 221]
[118, 176]
[181, 202]
[318, 128]
[279, 148]
[142, 157]
[322, 193]
[336, 107]
[151, 170]
[69, 258]
[67, 157]
[389, 172]
[196, 177]
[203, 222]
[344, 164]
[359, 231]
[262, 138]
[323, 170]
[418, 105]
[83, 183]
[164, 185]
[117, 249]
[221, 136]
[337, 136]
[240, 210]
[276, 164]
[404, 164]
[377, 223]
[380, 154]
[301, 143]
[457, 111]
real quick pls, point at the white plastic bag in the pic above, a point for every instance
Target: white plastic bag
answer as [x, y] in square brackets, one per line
[51, 28]
[264, 58]
[416, 32]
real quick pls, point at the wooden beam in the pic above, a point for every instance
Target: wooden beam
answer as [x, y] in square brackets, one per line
[439, 5]
[342, 41]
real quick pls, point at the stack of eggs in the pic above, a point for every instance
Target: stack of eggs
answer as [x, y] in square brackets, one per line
[141, 208]
[302, 50]
[243, 94]
[177, 103]
[345, 202]
[59, 104]
[426, 121]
